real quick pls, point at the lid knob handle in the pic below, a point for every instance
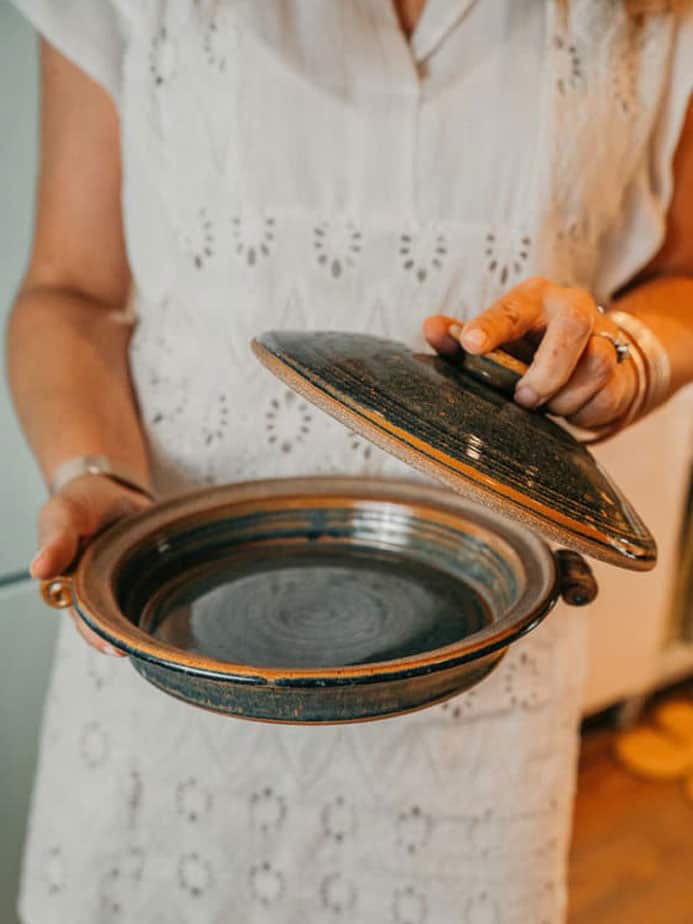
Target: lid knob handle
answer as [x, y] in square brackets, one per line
[577, 584]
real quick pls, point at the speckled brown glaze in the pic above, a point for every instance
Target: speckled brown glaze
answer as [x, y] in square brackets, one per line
[442, 419]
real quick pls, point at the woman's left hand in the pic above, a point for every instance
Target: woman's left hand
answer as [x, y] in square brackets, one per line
[574, 372]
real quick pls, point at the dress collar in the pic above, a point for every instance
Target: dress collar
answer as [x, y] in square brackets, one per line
[437, 20]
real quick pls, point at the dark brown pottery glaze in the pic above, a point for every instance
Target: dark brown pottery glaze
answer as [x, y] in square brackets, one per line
[316, 600]
[447, 421]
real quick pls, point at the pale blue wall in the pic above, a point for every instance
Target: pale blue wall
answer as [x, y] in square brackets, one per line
[27, 628]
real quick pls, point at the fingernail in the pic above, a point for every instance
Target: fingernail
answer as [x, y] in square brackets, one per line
[109, 650]
[455, 330]
[526, 396]
[474, 339]
[34, 561]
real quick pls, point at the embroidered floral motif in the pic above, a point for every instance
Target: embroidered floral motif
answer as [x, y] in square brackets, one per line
[93, 745]
[216, 420]
[422, 252]
[337, 246]
[287, 421]
[337, 894]
[211, 43]
[568, 65]
[162, 57]
[193, 800]
[194, 874]
[118, 882]
[481, 909]
[409, 906]
[524, 683]
[360, 446]
[266, 883]
[414, 829]
[134, 796]
[506, 260]
[267, 809]
[254, 238]
[55, 871]
[200, 245]
[338, 819]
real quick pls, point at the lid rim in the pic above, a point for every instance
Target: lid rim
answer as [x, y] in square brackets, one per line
[579, 536]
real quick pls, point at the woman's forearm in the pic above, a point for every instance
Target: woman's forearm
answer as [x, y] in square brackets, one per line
[665, 304]
[69, 375]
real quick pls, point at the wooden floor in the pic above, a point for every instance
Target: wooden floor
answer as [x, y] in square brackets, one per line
[632, 857]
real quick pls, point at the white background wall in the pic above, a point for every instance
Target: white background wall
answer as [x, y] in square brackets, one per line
[27, 628]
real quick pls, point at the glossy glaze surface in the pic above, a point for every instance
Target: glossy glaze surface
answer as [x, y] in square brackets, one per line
[336, 599]
[445, 420]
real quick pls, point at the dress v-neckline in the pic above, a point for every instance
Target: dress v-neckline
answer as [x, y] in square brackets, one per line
[437, 19]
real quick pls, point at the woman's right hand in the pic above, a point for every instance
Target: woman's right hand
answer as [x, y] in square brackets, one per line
[72, 517]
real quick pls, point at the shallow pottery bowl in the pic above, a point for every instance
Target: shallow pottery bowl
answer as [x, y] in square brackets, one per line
[318, 599]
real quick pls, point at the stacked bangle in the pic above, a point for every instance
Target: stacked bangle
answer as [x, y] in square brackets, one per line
[652, 369]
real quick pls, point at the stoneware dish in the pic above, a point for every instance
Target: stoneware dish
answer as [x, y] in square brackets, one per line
[318, 600]
[340, 599]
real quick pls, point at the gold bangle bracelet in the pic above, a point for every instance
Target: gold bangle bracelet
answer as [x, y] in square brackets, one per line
[655, 356]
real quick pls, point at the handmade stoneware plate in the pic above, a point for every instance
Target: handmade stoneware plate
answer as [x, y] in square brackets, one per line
[317, 600]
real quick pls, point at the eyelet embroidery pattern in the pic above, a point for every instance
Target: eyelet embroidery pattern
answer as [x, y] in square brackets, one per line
[336, 246]
[481, 909]
[163, 56]
[414, 829]
[98, 668]
[193, 800]
[568, 65]
[93, 745]
[134, 797]
[211, 43]
[119, 881]
[422, 253]
[287, 421]
[409, 906]
[338, 819]
[338, 894]
[201, 244]
[267, 810]
[216, 421]
[266, 883]
[253, 239]
[506, 261]
[360, 446]
[194, 874]
[55, 871]
[524, 682]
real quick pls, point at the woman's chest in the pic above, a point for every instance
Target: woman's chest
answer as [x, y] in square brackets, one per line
[242, 120]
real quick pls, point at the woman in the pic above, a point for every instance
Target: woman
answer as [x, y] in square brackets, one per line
[222, 168]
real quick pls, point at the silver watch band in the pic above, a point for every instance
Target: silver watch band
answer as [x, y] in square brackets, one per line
[95, 465]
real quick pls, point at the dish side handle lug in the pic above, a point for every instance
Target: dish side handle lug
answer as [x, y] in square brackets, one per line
[57, 592]
[576, 580]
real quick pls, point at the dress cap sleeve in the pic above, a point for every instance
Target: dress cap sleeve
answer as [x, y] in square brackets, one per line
[90, 33]
[642, 229]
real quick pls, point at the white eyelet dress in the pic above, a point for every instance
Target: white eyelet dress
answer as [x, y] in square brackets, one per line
[299, 164]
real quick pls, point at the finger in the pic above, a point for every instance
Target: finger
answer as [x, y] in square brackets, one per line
[58, 534]
[93, 639]
[571, 315]
[592, 373]
[511, 317]
[610, 402]
[436, 330]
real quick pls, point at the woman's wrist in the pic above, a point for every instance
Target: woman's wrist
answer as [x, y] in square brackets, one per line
[97, 465]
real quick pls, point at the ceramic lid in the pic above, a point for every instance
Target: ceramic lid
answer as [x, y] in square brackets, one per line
[450, 419]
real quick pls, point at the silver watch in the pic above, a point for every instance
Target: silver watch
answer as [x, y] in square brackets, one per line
[95, 465]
